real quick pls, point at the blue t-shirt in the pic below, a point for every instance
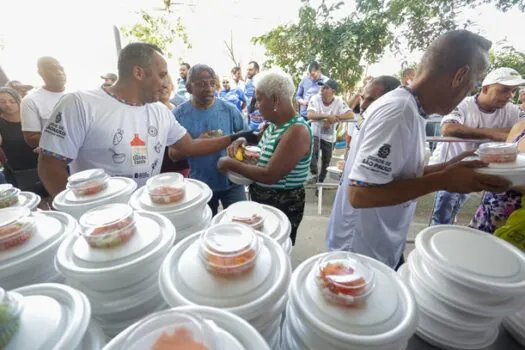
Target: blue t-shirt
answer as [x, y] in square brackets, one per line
[235, 96]
[249, 90]
[220, 116]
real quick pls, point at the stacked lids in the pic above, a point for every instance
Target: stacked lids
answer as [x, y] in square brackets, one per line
[465, 281]
[13, 197]
[51, 316]
[28, 243]
[182, 201]
[91, 188]
[264, 218]
[191, 327]
[114, 261]
[232, 267]
[342, 300]
[515, 324]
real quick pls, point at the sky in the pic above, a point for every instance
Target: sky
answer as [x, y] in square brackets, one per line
[80, 33]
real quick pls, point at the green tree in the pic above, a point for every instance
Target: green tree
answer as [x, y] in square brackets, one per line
[343, 47]
[508, 56]
[421, 21]
[161, 30]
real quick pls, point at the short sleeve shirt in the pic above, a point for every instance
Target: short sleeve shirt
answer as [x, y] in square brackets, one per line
[337, 107]
[390, 145]
[95, 130]
[36, 108]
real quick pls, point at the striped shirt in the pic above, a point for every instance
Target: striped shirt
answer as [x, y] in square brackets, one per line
[268, 143]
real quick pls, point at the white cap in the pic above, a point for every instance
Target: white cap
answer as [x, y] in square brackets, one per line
[504, 76]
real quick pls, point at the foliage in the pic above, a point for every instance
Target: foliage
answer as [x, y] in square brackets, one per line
[421, 21]
[509, 57]
[343, 47]
[160, 30]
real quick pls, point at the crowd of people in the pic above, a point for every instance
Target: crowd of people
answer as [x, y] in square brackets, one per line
[141, 122]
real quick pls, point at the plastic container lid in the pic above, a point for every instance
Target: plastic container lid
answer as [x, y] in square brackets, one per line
[460, 253]
[498, 152]
[344, 278]
[108, 226]
[229, 249]
[16, 227]
[166, 188]
[248, 213]
[88, 182]
[8, 195]
[167, 329]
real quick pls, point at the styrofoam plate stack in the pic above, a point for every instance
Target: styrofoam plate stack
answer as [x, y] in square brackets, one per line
[465, 282]
[515, 325]
[120, 282]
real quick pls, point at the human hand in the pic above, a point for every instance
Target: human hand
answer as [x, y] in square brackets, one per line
[332, 119]
[499, 136]
[461, 156]
[463, 178]
[234, 147]
[37, 150]
[224, 163]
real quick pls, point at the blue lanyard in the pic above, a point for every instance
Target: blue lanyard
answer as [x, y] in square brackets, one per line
[418, 104]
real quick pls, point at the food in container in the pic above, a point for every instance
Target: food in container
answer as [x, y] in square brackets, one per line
[10, 310]
[16, 227]
[229, 249]
[248, 213]
[498, 152]
[88, 182]
[170, 329]
[166, 188]
[8, 195]
[344, 279]
[108, 226]
[248, 154]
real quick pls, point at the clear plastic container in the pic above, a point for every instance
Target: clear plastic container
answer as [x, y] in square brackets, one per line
[172, 329]
[8, 195]
[88, 182]
[108, 226]
[248, 213]
[229, 249]
[11, 307]
[498, 152]
[251, 154]
[166, 188]
[344, 279]
[16, 227]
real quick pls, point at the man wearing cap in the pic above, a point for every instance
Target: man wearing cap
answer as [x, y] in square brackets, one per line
[325, 110]
[109, 79]
[488, 115]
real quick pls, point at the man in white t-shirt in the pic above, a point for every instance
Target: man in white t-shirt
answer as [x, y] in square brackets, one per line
[325, 110]
[36, 107]
[488, 115]
[385, 171]
[121, 128]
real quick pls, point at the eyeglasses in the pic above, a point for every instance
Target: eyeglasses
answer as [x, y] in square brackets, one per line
[205, 83]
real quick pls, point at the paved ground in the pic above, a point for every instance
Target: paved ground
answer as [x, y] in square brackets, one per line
[311, 235]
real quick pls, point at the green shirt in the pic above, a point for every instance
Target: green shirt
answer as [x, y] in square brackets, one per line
[268, 143]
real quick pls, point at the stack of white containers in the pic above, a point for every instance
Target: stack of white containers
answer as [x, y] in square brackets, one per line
[50, 316]
[116, 265]
[515, 324]
[189, 214]
[271, 221]
[465, 282]
[234, 268]
[28, 244]
[345, 301]
[212, 328]
[13, 197]
[90, 189]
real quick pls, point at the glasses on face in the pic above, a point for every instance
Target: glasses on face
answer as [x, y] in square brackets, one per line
[205, 83]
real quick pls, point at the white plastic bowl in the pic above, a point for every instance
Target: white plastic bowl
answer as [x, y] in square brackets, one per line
[513, 172]
[239, 179]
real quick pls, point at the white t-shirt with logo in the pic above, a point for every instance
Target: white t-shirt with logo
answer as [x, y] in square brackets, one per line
[469, 114]
[96, 130]
[337, 107]
[36, 108]
[390, 145]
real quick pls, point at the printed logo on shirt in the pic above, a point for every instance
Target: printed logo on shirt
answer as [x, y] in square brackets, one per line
[58, 118]
[153, 131]
[55, 129]
[142, 175]
[384, 151]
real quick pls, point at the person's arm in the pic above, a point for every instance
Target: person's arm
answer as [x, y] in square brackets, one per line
[346, 116]
[465, 132]
[52, 170]
[293, 146]
[31, 124]
[300, 94]
[32, 138]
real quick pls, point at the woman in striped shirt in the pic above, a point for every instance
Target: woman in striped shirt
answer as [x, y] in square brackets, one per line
[286, 150]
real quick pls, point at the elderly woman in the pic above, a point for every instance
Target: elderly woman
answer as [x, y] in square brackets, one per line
[286, 145]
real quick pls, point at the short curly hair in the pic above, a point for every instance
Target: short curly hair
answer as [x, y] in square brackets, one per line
[275, 83]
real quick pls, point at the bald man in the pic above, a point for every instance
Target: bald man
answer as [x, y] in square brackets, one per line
[386, 169]
[36, 107]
